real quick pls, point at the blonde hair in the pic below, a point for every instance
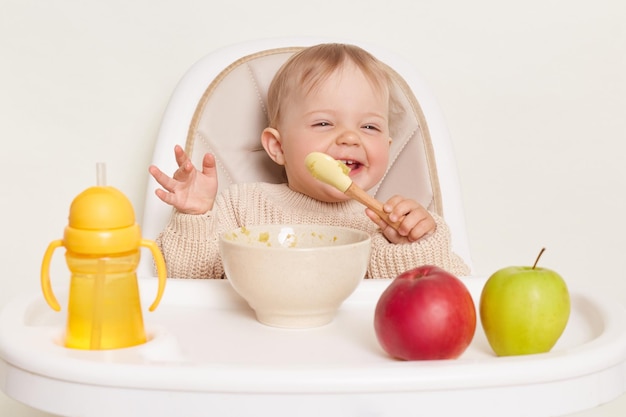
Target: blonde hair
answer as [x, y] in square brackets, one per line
[306, 69]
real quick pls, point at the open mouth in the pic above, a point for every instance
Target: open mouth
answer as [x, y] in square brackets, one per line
[352, 164]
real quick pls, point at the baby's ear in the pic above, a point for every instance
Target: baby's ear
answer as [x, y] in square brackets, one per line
[270, 138]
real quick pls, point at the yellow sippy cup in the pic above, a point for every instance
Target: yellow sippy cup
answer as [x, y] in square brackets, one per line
[102, 244]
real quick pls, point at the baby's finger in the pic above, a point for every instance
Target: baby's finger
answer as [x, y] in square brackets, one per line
[169, 198]
[208, 164]
[424, 227]
[163, 195]
[163, 179]
[180, 155]
[376, 218]
[389, 205]
[403, 208]
[389, 231]
[185, 171]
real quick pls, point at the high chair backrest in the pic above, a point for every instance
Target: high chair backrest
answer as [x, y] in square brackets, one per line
[219, 107]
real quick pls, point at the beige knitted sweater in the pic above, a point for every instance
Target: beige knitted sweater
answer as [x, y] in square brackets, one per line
[190, 242]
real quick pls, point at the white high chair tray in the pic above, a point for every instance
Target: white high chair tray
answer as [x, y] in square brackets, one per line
[207, 355]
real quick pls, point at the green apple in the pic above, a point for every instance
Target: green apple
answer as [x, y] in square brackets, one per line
[524, 310]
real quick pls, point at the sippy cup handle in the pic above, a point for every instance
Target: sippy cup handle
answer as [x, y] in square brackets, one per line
[161, 270]
[45, 275]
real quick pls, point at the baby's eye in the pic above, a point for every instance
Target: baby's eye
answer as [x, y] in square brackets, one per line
[371, 127]
[322, 124]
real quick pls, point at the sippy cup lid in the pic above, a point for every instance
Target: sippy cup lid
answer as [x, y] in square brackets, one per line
[101, 220]
[101, 207]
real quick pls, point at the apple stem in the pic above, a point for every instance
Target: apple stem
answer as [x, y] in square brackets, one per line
[538, 256]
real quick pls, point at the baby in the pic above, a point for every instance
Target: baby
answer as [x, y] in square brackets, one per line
[330, 98]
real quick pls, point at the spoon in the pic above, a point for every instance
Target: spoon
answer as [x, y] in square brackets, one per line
[335, 173]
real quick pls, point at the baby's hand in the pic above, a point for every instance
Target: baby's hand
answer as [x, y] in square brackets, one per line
[415, 221]
[190, 191]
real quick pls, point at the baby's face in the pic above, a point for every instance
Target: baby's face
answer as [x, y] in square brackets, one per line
[345, 117]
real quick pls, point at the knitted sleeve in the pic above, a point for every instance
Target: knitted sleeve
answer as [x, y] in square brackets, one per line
[190, 246]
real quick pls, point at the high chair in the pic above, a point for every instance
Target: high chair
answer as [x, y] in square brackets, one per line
[219, 107]
[207, 355]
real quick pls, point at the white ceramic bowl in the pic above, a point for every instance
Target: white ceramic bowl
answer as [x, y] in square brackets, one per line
[295, 276]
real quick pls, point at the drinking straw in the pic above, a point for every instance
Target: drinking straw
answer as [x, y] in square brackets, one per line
[99, 285]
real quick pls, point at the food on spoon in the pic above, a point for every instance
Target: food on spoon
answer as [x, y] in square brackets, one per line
[328, 170]
[335, 173]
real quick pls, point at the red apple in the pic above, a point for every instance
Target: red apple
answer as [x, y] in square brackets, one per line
[425, 313]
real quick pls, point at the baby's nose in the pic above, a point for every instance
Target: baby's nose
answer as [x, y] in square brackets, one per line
[348, 137]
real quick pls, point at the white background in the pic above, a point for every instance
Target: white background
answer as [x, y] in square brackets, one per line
[534, 93]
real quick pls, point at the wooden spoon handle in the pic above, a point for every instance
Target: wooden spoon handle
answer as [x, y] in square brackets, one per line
[357, 193]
